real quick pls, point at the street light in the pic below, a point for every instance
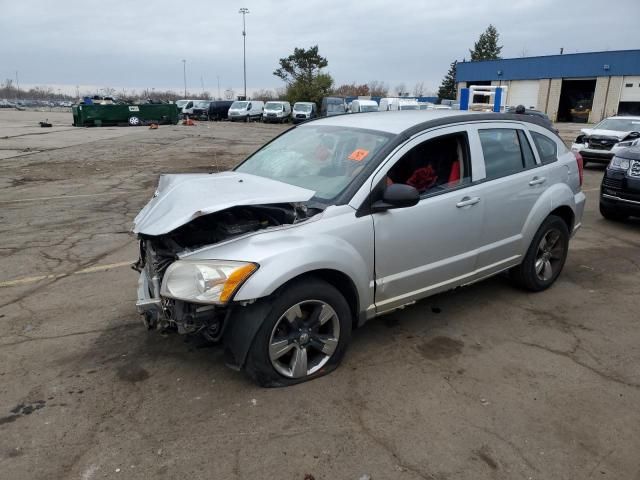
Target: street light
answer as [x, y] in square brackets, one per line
[244, 11]
[184, 72]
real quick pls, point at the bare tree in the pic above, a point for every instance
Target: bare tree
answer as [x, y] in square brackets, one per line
[378, 88]
[264, 95]
[418, 89]
[401, 90]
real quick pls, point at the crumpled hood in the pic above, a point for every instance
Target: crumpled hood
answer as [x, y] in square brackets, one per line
[605, 133]
[181, 198]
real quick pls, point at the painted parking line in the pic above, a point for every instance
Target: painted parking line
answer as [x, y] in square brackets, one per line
[39, 278]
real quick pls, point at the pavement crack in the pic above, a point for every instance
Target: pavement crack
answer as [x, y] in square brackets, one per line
[26, 338]
[570, 355]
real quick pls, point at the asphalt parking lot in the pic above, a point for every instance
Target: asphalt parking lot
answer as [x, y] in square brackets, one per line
[485, 382]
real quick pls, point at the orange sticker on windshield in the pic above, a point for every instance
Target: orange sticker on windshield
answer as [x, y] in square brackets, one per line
[358, 154]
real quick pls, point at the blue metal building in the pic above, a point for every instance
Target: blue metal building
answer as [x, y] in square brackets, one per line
[576, 87]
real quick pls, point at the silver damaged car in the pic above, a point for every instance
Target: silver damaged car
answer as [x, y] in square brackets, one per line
[345, 218]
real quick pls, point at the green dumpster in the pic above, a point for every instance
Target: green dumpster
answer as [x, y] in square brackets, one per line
[125, 114]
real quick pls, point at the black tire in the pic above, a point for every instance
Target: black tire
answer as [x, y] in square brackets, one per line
[611, 214]
[526, 275]
[246, 119]
[259, 366]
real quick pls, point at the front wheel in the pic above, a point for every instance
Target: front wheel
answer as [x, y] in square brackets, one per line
[135, 121]
[304, 335]
[545, 257]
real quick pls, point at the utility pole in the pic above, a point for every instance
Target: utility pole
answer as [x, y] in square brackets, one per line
[17, 87]
[244, 11]
[184, 72]
[218, 77]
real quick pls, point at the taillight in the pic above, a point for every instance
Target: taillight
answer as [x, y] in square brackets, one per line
[580, 163]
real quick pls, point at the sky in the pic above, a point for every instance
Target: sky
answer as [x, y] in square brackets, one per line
[135, 44]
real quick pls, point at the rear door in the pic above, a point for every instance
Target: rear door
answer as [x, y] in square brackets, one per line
[515, 178]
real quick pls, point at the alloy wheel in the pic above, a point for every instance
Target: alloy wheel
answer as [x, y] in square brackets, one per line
[304, 338]
[549, 255]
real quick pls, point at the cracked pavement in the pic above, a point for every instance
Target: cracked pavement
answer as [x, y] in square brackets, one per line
[484, 382]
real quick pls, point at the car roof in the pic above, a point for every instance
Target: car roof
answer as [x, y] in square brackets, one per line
[411, 121]
[624, 117]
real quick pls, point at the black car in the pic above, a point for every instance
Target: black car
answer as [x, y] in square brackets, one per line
[218, 109]
[536, 113]
[620, 189]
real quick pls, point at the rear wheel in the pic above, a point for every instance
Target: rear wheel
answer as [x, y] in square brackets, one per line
[545, 257]
[135, 121]
[611, 214]
[304, 336]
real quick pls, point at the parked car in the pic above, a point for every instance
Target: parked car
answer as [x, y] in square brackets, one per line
[528, 111]
[333, 106]
[276, 258]
[361, 106]
[620, 188]
[201, 109]
[219, 109]
[303, 111]
[245, 110]
[600, 143]
[278, 112]
[187, 109]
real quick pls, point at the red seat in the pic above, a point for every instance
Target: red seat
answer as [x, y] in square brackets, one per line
[454, 175]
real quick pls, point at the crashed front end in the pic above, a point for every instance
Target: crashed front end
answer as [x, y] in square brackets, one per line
[191, 213]
[602, 145]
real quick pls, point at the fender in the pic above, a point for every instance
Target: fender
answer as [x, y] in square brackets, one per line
[284, 254]
[557, 195]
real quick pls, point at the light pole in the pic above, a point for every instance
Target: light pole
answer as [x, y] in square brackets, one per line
[244, 11]
[184, 73]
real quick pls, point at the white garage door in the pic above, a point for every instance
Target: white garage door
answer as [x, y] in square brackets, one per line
[523, 92]
[630, 89]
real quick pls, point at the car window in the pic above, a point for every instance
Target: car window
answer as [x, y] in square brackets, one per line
[435, 165]
[503, 154]
[547, 148]
[527, 153]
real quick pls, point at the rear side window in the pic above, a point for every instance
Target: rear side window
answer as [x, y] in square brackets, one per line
[506, 151]
[547, 148]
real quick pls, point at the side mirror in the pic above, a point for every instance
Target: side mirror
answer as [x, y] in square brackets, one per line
[396, 195]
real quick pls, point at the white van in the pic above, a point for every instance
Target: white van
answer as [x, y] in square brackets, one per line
[187, 107]
[245, 110]
[303, 111]
[408, 104]
[358, 106]
[387, 104]
[277, 112]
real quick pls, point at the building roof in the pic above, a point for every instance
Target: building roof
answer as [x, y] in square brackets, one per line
[573, 65]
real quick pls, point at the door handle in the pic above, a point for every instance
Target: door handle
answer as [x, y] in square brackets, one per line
[537, 181]
[467, 202]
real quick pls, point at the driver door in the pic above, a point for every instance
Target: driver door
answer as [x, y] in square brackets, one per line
[431, 246]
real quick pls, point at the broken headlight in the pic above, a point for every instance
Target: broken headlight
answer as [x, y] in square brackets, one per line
[205, 281]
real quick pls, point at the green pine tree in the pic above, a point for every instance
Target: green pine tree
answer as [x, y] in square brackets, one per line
[447, 88]
[487, 48]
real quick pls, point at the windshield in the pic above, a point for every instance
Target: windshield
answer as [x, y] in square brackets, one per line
[201, 104]
[302, 107]
[320, 158]
[239, 105]
[368, 108]
[620, 124]
[273, 106]
[409, 107]
[182, 103]
[335, 107]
